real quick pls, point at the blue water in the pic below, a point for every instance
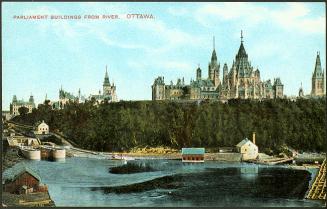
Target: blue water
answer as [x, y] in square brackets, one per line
[211, 183]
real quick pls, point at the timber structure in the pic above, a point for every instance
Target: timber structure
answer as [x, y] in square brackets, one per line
[318, 188]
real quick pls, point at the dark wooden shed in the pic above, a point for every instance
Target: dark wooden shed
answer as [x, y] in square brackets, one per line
[23, 177]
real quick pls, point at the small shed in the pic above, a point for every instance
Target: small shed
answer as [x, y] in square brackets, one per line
[193, 154]
[248, 149]
[22, 180]
[42, 128]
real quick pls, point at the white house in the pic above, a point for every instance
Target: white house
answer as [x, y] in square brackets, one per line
[248, 149]
[42, 128]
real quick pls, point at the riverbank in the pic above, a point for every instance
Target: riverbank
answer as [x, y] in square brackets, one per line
[10, 158]
[39, 199]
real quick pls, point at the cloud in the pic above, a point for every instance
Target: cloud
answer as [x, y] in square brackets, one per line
[292, 16]
[297, 17]
[178, 11]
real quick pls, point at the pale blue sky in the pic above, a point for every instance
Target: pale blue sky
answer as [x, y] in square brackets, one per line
[282, 39]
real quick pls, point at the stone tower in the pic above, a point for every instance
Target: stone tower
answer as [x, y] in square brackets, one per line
[14, 98]
[317, 79]
[158, 89]
[31, 99]
[225, 75]
[198, 73]
[213, 68]
[278, 88]
[106, 84]
[301, 92]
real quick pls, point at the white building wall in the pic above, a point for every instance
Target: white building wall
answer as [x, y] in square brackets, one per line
[249, 151]
[43, 128]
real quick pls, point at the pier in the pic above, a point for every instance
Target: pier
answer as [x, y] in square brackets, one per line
[271, 161]
[318, 188]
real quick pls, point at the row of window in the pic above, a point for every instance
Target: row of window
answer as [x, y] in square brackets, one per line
[193, 158]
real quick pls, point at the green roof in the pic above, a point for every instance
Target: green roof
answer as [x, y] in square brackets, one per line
[192, 151]
[244, 141]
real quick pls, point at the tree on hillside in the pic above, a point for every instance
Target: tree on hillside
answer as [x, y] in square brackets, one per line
[23, 110]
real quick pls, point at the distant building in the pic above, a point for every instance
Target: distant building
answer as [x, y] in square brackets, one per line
[23, 180]
[248, 149]
[16, 104]
[108, 91]
[318, 79]
[66, 97]
[241, 81]
[193, 154]
[6, 115]
[301, 92]
[278, 88]
[42, 128]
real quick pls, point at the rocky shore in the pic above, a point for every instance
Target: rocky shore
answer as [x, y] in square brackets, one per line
[10, 157]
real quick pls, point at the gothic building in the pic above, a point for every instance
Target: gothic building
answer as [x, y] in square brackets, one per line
[108, 91]
[301, 92]
[65, 97]
[240, 81]
[318, 79]
[16, 104]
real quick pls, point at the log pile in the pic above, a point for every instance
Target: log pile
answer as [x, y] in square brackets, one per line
[318, 188]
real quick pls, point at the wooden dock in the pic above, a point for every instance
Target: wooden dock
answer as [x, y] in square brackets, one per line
[272, 161]
[318, 188]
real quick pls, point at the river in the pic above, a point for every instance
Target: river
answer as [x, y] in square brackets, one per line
[83, 182]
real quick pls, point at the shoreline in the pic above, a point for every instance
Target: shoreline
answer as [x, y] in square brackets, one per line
[10, 159]
[170, 156]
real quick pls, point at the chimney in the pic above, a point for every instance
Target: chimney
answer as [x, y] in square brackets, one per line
[253, 138]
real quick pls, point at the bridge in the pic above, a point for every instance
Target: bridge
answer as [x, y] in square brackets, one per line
[318, 188]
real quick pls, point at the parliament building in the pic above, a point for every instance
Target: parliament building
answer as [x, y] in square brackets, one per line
[240, 80]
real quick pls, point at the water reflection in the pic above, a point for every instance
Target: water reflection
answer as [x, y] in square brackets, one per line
[204, 184]
[249, 172]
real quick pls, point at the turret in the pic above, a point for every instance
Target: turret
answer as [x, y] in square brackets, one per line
[106, 81]
[198, 73]
[213, 67]
[158, 89]
[301, 93]
[31, 100]
[225, 74]
[318, 78]
[278, 88]
[106, 84]
[14, 98]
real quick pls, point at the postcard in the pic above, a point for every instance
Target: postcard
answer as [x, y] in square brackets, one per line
[163, 104]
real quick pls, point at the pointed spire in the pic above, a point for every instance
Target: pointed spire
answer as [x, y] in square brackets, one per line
[46, 97]
[241, 52]
[317, 71]
[106, 81]
[214, 55]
